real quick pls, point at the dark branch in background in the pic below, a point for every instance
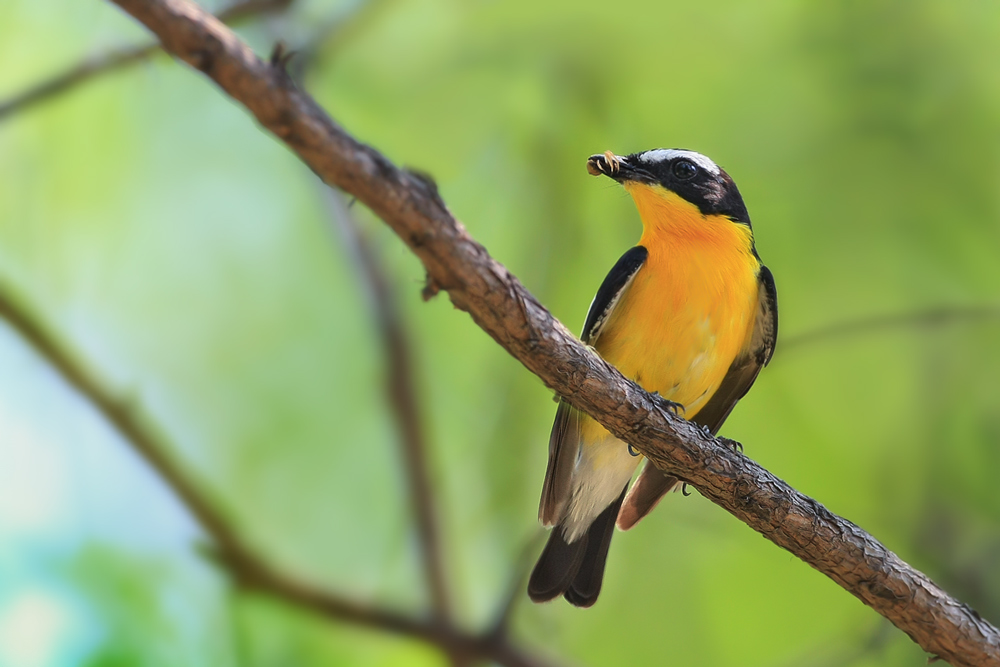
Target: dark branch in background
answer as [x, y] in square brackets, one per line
[123, 415]
[498, 303]
[402, 394]
[227, 547]
[121, 58]
[932, 317]
[80, 73]
[518, 580]
[307, 54]
[246, 567]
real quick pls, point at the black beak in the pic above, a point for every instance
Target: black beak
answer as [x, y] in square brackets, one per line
[617, 167]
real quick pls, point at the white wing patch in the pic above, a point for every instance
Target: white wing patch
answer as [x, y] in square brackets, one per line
[599, 323]
[666, 154]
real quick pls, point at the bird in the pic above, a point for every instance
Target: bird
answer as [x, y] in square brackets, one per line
[690, 313]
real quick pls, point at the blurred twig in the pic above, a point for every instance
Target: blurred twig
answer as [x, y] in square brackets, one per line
[237, 634]
[227, 548]
[519, 575]
[840, 650]
[117, 59]
[241, 560]
[123, 415]
[307, 54]
[402, 393]
[411, 205]
[931, 317]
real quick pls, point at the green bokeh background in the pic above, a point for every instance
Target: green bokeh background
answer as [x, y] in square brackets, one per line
[189, 259]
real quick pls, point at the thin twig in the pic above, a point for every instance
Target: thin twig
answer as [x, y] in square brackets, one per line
[228, 548]
[84, 71]
[838, 651]
[123, 415]
[450, 639]
[498, 303]
[930, 317]
[402, 393]
[237, 634]
[307, 55]
[519, 576]
[120, 58]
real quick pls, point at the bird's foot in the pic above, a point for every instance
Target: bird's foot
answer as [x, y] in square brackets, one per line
[666, 404]
[732, 444]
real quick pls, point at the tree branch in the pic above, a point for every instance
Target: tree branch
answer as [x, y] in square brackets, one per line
[120, 58]
[228, 548]
[454, 642]
[123, 416]
[499, 304]
[402, 394]
[931, 317]
[518, 578]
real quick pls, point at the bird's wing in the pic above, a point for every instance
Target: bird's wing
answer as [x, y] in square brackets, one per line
[564, 442]
[651, 484]
[746, 366]
[611, 291]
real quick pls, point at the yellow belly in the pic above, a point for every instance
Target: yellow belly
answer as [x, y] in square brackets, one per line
[686, 316]
[678, 342]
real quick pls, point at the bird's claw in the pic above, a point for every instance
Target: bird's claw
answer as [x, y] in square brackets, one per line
[280, 56]
[666, 404]
[732, 444]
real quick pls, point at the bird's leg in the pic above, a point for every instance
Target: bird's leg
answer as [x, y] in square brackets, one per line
[732, 444]
[664, 404]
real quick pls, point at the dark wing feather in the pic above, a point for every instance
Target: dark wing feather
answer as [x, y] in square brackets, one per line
[562, 457]
[586, 584]
[575, 569]
[745, 367]
[649, 487]
[652, 484]
[611, 290]
[564, 441]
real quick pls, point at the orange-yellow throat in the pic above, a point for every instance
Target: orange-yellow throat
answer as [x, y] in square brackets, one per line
[690, 309]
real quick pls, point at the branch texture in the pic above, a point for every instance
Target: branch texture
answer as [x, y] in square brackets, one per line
[498, 303]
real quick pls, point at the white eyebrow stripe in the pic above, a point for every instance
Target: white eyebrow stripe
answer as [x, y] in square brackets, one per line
[666, 154]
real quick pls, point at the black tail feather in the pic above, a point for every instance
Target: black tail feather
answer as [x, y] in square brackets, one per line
[575, 569]
[586, 584]
[556, 567]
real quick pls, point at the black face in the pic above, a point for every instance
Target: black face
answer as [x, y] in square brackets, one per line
[692, 176]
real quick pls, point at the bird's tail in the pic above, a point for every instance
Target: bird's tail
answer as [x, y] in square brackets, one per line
[575, 569]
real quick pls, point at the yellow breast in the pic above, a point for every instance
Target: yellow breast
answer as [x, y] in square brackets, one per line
[690, 309]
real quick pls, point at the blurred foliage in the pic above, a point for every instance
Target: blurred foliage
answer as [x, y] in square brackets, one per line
[188, 258]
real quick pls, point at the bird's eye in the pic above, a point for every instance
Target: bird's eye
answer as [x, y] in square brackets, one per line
[684, 170]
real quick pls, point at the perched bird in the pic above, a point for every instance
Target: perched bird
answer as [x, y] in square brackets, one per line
[690, 313]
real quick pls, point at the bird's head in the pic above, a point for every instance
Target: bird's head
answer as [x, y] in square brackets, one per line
[670, 185]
